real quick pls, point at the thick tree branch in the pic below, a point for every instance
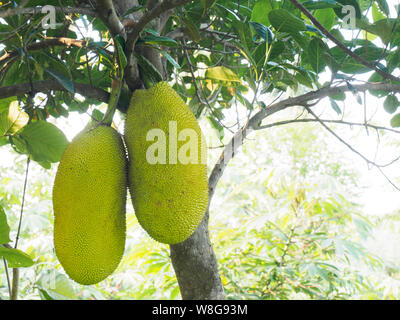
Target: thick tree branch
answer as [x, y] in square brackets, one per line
[38, 10]
[254, 122]
[48, 85]
[152, 14]
[48, 42]
[159, 10]
[356, 57]
[106, 11]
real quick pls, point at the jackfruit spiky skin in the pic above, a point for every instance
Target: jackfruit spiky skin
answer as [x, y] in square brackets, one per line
[89, 198]
[169, 199]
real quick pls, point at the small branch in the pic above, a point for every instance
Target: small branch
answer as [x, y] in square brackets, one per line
[106, 11]
[341, 45]
[152, 14]
[369, 162]
[255, 121]
[7, 277]
[48, 42]
[38, 10]
[15, 283]
[327, 121]
[22, 203]
[12, 287]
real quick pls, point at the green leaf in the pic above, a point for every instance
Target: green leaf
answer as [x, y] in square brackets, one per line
[63, 80]
[284, 21]
[376, 14]
[222, 74]
[97, 115]
[320, 4]
[390, 104]
[244, 32]
[217, 125]
[45, 142]
[5, 103]
[339, 96]
[395, 121]
[384, 30]
[207, 4]
[55, 286]
[335, 107]
[4, 141]
[174, 293]
[326, 17]
[121, 55]
[160, 40]
[393, 60]
[12, 119]
[383, 6]
[316, 49]
[133, 9]
[191, 30]
[260, 12]
[4, 228]
[149, 69]
[19, 144]
[16, 258]
[169, 58]
[263, 31]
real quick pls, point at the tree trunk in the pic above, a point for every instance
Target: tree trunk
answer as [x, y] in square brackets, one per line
[196, 267]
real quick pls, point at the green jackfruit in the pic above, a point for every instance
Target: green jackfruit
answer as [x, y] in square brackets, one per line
[167, 167]
[89, 198]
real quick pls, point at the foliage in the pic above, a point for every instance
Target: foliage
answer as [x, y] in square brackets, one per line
[227, 53]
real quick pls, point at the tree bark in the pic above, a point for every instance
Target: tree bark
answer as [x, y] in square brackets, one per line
[196, 267]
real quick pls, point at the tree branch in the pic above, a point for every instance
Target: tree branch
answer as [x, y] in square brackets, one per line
[254, 122]
[38, 10]
[48, 42]
[369, 162]
[280, 123]
[106, 11]
[152, 14]
[12, 287]
[132, 74]
[48, 85]
[341, 45]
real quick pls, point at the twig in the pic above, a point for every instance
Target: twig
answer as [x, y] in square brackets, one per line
[150, 15]
[370, 162]
[7, 277]
[255, 121]
[106, 10]
[23, 202]
[47, 42]
[341, 45]
[327, 121]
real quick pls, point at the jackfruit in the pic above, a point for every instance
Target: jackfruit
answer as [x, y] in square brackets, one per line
[89, 199]
[167, 164]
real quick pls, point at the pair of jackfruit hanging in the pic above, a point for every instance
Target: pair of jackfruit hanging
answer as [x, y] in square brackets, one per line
[167, 180]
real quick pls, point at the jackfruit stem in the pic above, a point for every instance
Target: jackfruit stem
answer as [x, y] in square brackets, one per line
[116, 86]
